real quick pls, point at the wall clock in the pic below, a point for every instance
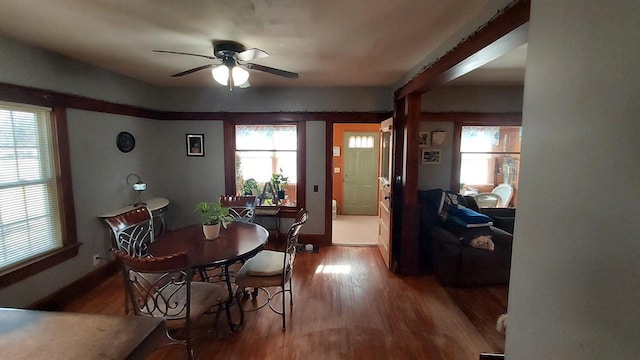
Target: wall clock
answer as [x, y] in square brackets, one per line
[125, 142]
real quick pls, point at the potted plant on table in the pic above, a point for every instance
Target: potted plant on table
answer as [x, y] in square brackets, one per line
[250, 187]
[279, 180]
[213, 215]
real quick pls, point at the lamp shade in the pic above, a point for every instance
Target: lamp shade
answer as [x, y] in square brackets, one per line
[240, 75]
[221, 74]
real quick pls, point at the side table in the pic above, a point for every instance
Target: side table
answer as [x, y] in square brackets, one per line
[271, 214]
[157, 206]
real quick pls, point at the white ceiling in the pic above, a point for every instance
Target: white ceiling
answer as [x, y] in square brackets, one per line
[328, 42]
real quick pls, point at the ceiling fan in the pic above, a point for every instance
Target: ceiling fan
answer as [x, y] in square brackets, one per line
[233, 57]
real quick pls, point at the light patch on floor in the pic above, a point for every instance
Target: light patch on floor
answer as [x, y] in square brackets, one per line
[355, 230]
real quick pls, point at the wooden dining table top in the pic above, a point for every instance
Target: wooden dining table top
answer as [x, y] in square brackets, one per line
[238, 241]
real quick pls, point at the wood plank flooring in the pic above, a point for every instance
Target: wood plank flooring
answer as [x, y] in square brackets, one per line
[365, 313]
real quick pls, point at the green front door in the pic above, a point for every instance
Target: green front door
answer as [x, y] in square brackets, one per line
[360, 173]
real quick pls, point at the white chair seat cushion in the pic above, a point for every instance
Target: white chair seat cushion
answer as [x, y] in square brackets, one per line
[204, 296]
[266, 263]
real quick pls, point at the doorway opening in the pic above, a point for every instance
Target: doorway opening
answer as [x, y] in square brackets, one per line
[355, 184]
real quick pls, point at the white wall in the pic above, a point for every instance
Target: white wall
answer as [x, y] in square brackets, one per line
[24, 65]
[316, 157]
[219, 98]
[482, 99]
[432, 176]
[575, 281]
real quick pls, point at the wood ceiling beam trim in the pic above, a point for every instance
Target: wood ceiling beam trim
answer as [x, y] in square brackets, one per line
[505, 32]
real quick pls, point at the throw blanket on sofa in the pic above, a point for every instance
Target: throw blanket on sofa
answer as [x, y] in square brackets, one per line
[452, 209]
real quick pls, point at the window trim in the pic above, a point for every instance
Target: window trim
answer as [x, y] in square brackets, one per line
[70, 245]
[229, 158]
[471, 119]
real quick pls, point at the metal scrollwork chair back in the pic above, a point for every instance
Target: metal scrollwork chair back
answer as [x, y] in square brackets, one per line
[162, 287]
[132, 231]
[241, 207]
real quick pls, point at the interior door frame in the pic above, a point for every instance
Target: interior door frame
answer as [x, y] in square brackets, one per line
[360, 118]
[345, 149]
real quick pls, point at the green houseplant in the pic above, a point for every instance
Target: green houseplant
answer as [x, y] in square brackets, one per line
[279, 180]
[212, 216]
[250, 187]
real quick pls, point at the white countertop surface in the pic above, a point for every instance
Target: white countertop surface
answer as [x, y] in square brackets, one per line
[152, 204]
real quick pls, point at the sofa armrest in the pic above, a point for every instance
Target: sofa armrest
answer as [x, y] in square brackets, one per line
[501, 237]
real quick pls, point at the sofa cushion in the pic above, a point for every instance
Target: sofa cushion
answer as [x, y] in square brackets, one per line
[449, 203]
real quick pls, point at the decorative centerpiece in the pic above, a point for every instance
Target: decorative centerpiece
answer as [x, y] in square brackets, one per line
[213, 215]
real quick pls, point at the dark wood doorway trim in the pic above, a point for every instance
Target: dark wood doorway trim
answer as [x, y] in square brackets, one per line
[505, 32]
[370, 118]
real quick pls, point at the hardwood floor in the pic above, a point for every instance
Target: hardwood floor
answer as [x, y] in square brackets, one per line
[365, 313]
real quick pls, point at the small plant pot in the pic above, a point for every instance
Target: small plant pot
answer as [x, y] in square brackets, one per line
[211, 232]
[280, 194]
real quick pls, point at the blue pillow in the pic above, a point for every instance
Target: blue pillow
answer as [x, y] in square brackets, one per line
[469, 217]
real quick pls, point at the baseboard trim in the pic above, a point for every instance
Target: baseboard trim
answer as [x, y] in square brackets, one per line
[59, 299]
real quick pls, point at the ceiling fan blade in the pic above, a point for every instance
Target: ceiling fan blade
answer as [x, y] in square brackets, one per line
[191, 71]
[251, 54]
[274, 71]
[183, 53]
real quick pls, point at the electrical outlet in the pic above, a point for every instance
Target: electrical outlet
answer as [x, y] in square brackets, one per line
[96, 259]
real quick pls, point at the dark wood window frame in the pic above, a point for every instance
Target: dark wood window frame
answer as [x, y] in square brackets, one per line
[271, 119]
[70, 245]
[470, 119]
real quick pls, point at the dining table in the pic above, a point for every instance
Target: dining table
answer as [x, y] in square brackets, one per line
[237, 242]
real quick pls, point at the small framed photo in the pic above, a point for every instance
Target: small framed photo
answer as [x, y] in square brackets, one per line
[430, 156]
[424, 139]
[195, 144]
[438, 137]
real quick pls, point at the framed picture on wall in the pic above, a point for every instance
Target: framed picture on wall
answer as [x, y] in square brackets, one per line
[424, 138]
[430, 156]
[438, 137]
[195, 144]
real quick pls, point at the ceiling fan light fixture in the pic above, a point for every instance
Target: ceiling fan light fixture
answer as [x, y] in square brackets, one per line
[221, 74]
[240, 75]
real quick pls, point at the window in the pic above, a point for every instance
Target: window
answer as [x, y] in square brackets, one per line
[262, 151]
[490, 155]
[29, 216]
[33, 233]
[360, 142]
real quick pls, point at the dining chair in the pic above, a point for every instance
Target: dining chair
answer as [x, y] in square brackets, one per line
[505, 192]
[273, 269]
[241, 207]
[162, 287]
[132, 231]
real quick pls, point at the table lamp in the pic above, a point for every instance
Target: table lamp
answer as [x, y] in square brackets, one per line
[139, 186]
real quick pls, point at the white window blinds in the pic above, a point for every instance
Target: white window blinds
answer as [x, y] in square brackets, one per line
[29, 215]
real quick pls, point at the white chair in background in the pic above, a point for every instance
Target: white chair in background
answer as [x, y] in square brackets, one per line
[505, 191]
